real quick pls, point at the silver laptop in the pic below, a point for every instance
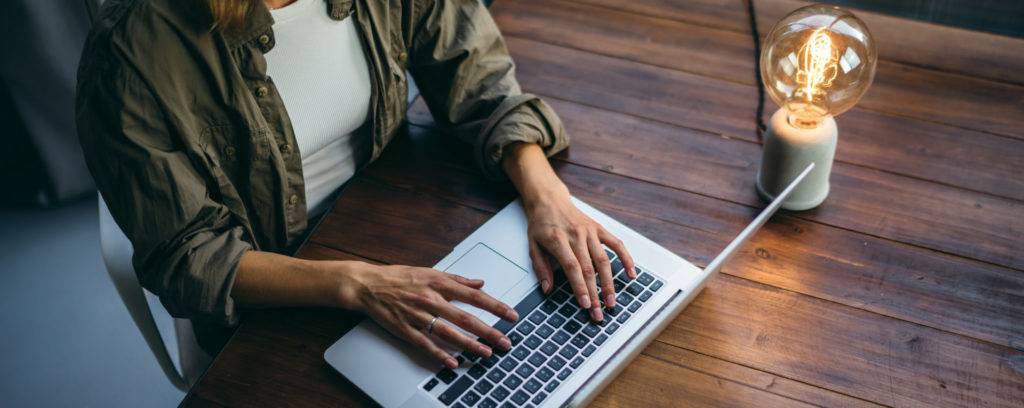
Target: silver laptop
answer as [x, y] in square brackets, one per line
[559, 357]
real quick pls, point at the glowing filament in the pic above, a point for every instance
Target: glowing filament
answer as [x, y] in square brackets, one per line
[817, 63]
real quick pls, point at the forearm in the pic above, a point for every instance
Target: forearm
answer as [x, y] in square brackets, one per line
[531, 173]
[266, 279]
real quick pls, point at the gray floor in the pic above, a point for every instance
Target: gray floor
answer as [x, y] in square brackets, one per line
[67, 338]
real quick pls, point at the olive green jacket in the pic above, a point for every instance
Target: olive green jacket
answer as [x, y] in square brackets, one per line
[192, 148]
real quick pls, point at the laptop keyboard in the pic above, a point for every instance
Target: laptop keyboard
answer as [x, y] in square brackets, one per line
[552, 338]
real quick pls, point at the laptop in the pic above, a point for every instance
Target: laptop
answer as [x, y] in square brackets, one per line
[558, 356]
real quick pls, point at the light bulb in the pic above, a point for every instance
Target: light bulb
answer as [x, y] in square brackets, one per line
[817, 62]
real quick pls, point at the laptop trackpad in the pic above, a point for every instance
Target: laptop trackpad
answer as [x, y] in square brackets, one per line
[503, 279]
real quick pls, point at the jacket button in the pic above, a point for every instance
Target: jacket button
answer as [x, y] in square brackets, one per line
[286, 149]
[230, 151]
[261, 91]
[401, 57]
[294, 199]
[264, 39]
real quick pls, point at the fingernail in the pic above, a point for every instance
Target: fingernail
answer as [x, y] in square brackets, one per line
[483, 350]
[451, 363]
[609, 301]
[546, 285]
[513, 315]
[584, 302]
[596, 314]
[505, 343]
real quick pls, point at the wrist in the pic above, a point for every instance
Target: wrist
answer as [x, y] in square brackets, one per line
[351, 283]
[528, 168]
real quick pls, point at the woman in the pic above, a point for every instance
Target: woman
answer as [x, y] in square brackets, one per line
[215, 129]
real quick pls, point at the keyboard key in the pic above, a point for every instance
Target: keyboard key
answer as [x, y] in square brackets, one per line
[580, 341]
[538, 317]
[515, 338]
[616, 266]
[634, 289]
[560, 296]
[645, 278]
[572, 326]
[655, 286]
[612, 328]
[521, 353]
[512, 382]
[556, 320]
[646, 295]
[560, 337]
[459, 360]
[532, 386]
[447, 375]
[549, 306]
[544, 331]
[592, 330]
[589, 350]
[525, 328]
[525, 371]
[483, 386]
[581, 316]
[477, 371]
[622, 317]
[551, 386]
[520, 397]
[634, 307]
[470, 398]
[567, 310]
[500, 393]
[533, 342]
[455, 390]
[600, 339]
[470, 356]
[556, 363]
[624, 299]
[611, 255]
[430, 384]
[495, 375]
[539, 398]
[549, 348]
[544, 374]
[615, 310]
[568, 351]
[537, 359]
[576, 362]
[564, 374]
[508, 364]
[487, 403]
[618, 283]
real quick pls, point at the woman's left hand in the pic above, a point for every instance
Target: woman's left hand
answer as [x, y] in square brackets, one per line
[559, 229]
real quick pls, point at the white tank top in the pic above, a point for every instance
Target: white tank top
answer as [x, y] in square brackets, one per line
[322, 75]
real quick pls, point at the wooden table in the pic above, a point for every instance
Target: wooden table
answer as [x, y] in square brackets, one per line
[906, 288]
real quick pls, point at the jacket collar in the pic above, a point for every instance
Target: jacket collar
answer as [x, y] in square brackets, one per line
[259, 21]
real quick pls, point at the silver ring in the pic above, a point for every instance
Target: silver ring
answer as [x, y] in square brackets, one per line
[430, 327]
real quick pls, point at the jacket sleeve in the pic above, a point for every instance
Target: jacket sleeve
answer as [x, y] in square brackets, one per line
[467, 78]
[186, 245]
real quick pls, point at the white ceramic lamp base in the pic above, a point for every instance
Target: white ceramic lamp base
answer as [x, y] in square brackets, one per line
[787, 151]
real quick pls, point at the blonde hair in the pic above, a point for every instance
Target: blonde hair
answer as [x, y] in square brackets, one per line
[229, 15]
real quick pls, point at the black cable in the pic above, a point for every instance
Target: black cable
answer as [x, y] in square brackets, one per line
[759, 118]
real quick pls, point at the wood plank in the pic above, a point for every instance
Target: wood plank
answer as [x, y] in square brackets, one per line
[910, 42]
[961, 222]
[959, 157]
[880, 359]
[942, 291]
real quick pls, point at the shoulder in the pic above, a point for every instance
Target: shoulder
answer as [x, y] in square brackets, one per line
[131, 28]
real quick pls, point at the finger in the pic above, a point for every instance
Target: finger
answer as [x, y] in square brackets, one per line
[541, 267]
[420, 339]
[413, 329]
[473, 283]
[470, 324]
[604, 269]
[579, 247]
[560, 249]
[481, 300]
[620, 249]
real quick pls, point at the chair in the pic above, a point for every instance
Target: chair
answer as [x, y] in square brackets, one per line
[146, 311]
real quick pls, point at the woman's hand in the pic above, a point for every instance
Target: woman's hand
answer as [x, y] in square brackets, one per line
[559, 229]
[405, 299]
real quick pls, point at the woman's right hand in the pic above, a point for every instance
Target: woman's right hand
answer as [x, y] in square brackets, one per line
[404, 300]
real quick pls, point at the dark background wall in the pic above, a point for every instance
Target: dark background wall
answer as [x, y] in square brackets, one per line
[995, 16]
